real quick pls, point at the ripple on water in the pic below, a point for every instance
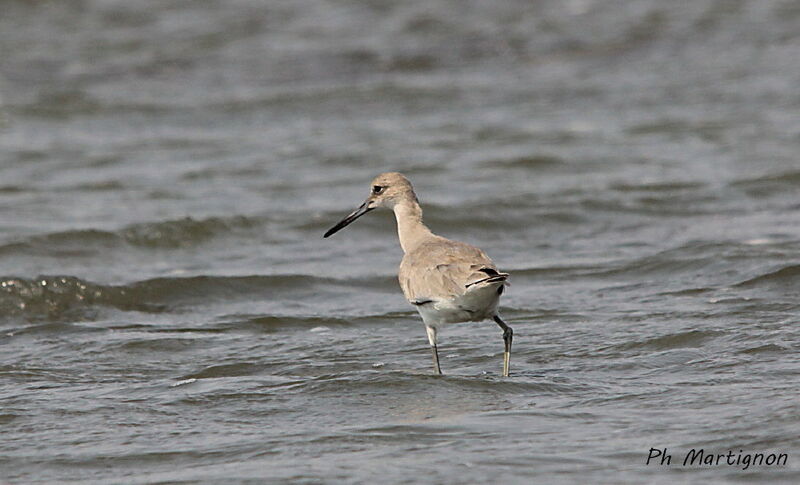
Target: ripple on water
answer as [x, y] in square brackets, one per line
[55, 297]
[179, 233]
[786, 277]
[636, 162]
[678, 340]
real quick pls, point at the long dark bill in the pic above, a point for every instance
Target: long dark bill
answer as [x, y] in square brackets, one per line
[362, 209]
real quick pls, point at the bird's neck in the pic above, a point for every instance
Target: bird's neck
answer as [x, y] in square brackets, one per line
[410, 228]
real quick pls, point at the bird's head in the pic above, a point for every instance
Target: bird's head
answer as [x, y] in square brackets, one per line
[386, 190]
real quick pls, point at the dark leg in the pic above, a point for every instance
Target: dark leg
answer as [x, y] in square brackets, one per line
[432, 339]
[508, 335]
[436, 367]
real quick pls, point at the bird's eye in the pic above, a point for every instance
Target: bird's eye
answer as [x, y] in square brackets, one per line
[377, 189]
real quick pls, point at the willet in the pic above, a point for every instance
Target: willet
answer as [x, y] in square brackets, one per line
[447, 281]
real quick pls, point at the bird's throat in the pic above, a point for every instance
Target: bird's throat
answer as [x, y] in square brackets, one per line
[410, 228]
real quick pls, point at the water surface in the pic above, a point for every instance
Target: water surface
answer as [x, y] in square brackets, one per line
[169, 312]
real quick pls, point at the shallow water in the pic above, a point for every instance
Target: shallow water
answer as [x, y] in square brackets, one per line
[169, 311]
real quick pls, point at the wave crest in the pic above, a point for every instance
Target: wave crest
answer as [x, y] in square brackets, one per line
[171, 234]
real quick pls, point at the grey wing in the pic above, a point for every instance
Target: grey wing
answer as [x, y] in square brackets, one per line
[444, 271]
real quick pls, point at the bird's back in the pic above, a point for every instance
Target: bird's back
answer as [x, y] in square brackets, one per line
[443, 269]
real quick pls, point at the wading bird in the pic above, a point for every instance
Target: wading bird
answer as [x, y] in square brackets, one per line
[447, 281]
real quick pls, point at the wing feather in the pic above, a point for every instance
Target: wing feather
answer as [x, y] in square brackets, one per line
[443, 269]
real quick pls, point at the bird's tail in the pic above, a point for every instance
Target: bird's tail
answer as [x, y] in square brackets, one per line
[493, 277]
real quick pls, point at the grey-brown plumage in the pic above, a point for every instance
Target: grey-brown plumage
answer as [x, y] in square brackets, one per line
[439, 269]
